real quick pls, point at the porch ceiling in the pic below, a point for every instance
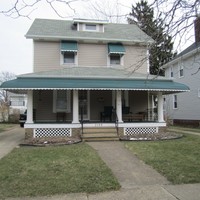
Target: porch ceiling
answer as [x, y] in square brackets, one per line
[166, 86]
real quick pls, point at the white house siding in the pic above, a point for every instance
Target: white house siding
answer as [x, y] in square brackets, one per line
[135, 59]
[92, 54]
[188, 102]
[46, 56]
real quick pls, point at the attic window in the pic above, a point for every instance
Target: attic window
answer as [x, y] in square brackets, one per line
[90, 27]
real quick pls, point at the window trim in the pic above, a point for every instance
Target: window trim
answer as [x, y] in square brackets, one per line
[92, 30]
[121, 56]
[175, 101]
[68, 109]
[69, 64]
[198, 92]
[181, 69]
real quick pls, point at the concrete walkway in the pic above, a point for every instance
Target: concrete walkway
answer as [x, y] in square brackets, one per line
[10, 139]
[128, 169]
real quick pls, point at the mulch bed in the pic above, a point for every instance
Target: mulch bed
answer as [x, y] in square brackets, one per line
[54, 141]
[152, 137]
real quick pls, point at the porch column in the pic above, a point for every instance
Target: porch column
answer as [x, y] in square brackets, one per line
[126, 98]
[29, 119]
[119, 105]
[75, 107]
[160, 107]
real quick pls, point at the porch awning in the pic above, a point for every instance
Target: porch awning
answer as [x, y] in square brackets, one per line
[69, 46]
[116, 49]
[166, 86]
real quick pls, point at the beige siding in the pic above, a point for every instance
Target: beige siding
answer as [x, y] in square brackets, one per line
[92, 54]
[135, 59]
[46, 56]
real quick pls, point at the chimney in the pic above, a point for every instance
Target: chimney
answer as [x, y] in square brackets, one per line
[197, 29]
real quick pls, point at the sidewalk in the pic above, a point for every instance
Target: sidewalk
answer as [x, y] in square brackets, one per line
[10, 139]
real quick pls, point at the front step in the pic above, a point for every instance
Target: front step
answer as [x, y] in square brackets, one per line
[100, 134]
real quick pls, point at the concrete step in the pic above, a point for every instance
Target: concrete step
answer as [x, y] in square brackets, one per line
[99, 134]
[99, 130]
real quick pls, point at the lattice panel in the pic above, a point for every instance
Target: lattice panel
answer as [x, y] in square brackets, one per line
[140, 130]
[52, 132]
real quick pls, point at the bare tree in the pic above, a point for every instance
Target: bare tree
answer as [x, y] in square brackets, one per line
[4, 97]
[24, 8]
[178, 15]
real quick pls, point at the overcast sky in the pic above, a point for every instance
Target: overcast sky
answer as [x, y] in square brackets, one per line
[16, 51]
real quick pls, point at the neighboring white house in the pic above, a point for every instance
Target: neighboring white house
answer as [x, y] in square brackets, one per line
[184, 108]
[18, 103]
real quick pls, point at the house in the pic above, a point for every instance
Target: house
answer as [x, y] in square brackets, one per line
[184, 108]
[91, 74]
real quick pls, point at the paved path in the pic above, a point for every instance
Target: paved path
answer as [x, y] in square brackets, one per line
[129, 170]
[180, 130]
[10, 139]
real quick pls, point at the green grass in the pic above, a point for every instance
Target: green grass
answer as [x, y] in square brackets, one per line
[3, 126]
[178, 160]
[54, 170]
[197, 130]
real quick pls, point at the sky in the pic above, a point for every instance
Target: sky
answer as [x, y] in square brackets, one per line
[16, 52]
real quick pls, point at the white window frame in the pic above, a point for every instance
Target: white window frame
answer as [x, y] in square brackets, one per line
[171, 72]
[199, 92]
[68, 99]
[72, 63]
[181, 70]
[175, 102]
[86, 27]
[121, 63]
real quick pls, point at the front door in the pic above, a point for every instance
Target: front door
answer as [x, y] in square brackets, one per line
[84, 104]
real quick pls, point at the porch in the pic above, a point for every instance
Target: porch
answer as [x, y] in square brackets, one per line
[71, 112]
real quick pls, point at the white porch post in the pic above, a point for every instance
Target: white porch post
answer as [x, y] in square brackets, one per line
[126, 98]
[160, 107]
[29, 119]
[75, 107]
[119, 105]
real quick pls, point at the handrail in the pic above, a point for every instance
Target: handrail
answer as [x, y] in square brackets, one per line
[116, 122]
[81, 122]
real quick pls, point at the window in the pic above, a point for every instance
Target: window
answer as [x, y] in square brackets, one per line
[69, 58]
[175, 103]
[61, 101]
[199, 93]
[181, 73]
[91, 27]
[171, 72]
[115, 59]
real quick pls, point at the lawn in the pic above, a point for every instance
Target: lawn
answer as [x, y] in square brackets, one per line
[178, 160]
[42, 171]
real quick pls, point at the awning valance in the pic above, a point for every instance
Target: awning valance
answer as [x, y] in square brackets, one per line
[69, 46]
[166, 86]
[116, 49]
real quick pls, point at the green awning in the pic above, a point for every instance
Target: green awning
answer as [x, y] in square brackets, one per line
[116, 49]
[166, 86]
[69, 46]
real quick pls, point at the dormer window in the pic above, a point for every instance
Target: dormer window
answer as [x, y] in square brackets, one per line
[90, 27]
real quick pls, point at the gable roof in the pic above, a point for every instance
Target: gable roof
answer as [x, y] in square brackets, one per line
[191, 50]
[62, 30]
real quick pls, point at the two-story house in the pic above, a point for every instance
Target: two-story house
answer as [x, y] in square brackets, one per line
[91, 74]
[184, 108]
